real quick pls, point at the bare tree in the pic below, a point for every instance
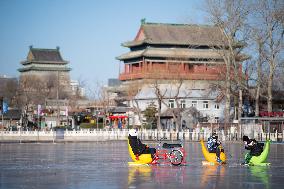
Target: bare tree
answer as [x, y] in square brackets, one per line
[32, 90]
[9, 91]
[103, 100]
[272, 24]
[132, 91]
[160, 98]
[259, 40]
[51, 85]
[230, 16]
[176, 90]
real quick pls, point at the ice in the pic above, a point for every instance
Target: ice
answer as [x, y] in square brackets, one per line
[105, 165]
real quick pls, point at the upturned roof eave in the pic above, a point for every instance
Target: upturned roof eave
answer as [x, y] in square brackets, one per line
[43, 61]
[138, 43]
[148, 53]
[43, 69]
[132, 43]
[126, 56]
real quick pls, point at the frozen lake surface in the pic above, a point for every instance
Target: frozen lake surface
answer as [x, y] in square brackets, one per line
[104, 165]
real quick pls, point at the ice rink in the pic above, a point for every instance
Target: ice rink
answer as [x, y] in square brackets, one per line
[105, 165]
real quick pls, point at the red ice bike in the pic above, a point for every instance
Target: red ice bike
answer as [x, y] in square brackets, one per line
[169, 153]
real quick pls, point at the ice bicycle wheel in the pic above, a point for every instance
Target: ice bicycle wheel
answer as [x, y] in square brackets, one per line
[176, 157]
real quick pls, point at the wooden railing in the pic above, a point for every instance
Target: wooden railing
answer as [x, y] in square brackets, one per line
[168, 75]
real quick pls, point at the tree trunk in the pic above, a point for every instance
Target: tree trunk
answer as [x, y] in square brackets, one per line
[138, 113]
[228, 93]
[159, 115]
[260, 43]
[269, 88]
[258, 87]
[257, 101]
[240, 107]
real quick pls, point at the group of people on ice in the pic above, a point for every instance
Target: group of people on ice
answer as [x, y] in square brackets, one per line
[213, 144]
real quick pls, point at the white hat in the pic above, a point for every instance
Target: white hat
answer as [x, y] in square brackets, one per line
[132, 132]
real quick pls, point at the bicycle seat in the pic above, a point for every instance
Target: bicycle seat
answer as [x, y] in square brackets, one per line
[166, 145]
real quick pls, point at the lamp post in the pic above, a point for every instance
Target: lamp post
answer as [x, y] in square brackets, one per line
[57, 98]
[97, 119]
[2, 112]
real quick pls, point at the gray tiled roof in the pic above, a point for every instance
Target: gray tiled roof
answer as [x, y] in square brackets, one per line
[35, 68]
[46, 54]
[171, 53]
[178, 34]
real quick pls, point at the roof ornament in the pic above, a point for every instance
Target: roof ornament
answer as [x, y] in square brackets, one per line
[31, 46]
[57, 48]
[143, 21]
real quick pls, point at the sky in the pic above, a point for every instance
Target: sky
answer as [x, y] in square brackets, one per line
[88, 32]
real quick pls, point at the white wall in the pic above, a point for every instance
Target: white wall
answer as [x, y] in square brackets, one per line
[188, 92]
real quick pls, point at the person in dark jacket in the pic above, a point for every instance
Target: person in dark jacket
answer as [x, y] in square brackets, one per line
[137, 146]
[255, 148]
[214, 146]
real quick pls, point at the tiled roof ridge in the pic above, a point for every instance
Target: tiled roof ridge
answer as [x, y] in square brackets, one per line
[44, 49]
[176, 24]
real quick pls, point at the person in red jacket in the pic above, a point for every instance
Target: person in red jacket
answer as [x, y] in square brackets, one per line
[137, 146]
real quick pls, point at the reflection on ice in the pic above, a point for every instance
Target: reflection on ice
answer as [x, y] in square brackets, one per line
[260, 173]
[212, 176]
[162, 175]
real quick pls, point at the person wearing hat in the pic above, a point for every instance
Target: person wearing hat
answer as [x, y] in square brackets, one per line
[253, 146]
[214, 146]
[137, 146]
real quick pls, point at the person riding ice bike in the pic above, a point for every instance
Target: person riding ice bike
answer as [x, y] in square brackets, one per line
[255, 148]
[214, 146]
[137, 146]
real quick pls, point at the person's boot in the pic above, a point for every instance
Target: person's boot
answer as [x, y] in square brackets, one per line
[219, 160]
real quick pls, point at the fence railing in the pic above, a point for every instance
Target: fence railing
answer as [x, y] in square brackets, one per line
[116, 134]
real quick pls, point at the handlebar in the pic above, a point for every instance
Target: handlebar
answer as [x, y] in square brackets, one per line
[163, 138]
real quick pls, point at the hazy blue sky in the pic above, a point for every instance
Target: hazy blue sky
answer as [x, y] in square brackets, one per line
[89, 32]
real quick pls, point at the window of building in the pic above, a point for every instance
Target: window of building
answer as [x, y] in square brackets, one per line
[194, 104]
[171, 103]
[217, 106]
[205, 104]
[216, 119]
[182, 103]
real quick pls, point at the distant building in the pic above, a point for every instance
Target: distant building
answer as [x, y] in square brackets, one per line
[44, 78]
[11, 120]
[76, 88]
[8, 88]
[46, 64]
[170, 53]
[173, 51]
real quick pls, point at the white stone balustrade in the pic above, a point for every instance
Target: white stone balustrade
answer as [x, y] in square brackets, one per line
[105, 135]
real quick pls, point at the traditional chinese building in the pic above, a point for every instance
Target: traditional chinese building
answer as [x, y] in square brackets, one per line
[173, 51]
[45, 77]
[46, 62]
[181, 52]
